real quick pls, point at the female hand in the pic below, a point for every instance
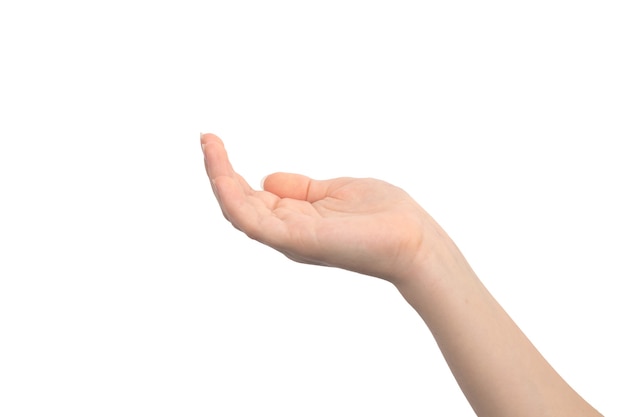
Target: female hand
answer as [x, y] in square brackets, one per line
[363, 225]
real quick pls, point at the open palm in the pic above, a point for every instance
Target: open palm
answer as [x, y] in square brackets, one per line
[364, 225]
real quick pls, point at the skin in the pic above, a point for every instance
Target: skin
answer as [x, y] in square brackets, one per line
[374, 228]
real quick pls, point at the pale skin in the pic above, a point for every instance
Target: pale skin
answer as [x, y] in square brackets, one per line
[374, 228]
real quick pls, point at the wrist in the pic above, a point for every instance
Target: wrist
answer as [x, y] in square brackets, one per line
[438, 272]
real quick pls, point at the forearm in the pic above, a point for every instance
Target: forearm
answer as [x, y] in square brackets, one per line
[497, 367]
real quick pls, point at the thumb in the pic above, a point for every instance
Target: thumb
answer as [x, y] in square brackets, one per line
[296, 186]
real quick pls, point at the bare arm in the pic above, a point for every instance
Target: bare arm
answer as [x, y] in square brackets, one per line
[374, 228]
[498, 369]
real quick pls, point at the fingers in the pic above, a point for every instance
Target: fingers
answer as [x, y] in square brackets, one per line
[282, 184]
[217, 163]
[251, 213]
[229, 188]
[215, 157]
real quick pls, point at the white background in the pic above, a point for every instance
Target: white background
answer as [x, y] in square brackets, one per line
[124, 292]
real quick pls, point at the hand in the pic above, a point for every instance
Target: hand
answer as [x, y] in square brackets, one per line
[375, 228]
[363, 225]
